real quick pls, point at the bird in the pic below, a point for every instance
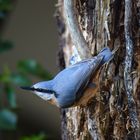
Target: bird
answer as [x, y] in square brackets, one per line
[68, 87]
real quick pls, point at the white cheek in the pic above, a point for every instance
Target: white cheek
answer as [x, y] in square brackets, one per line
[48, 97]
[44, 96]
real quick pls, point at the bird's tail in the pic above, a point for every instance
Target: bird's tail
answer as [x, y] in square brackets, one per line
[107, 55]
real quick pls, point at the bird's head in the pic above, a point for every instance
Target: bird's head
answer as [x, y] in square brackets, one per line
[43, 90]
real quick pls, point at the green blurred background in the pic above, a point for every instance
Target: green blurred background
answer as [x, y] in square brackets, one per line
[28, 53]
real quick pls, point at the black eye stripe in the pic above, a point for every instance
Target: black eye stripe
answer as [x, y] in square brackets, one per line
[43, 90]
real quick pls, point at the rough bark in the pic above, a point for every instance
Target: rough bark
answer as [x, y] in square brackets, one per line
[114, 113]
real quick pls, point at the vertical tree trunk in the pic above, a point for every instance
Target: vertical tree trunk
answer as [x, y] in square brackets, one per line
[114, 113]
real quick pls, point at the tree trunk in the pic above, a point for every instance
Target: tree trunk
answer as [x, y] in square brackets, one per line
[114, 111]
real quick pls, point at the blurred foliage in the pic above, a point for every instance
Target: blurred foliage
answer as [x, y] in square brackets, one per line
[34, 137]
[5, 6]
[5, 46]
[9, 80]
[7, 119]
[33, 68]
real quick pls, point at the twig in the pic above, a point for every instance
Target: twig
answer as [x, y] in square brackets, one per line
[128, 64]
[75, 32]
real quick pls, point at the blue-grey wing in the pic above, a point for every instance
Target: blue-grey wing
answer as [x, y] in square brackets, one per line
[95, 65]
[70, 80]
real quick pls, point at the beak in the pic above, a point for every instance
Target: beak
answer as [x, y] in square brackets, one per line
[28, 88]
[38, 90]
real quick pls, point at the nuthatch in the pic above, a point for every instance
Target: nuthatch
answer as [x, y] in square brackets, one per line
[68, 86]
